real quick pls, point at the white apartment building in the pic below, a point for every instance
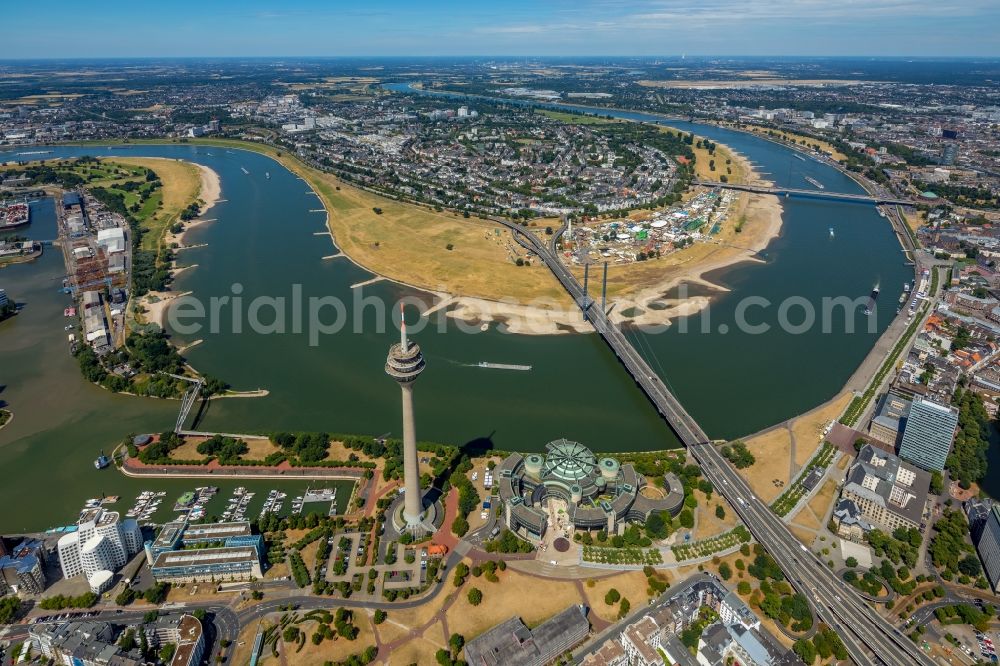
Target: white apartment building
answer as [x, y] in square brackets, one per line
[69, 555]
[97, 555]
[101, 543]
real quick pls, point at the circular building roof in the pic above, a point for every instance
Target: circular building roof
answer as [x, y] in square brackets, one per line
[610, 468]
[569, 461]
[533, 465]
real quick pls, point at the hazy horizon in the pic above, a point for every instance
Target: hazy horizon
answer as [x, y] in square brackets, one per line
[516, 28]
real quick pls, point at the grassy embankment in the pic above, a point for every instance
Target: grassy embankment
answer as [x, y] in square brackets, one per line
[409, 243]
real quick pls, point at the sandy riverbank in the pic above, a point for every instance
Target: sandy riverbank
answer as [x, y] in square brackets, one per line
[157, 303]
[209, 193]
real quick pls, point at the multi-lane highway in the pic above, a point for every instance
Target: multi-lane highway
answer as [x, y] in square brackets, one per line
[869, 638]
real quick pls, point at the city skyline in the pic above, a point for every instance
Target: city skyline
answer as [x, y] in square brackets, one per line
[446, 28]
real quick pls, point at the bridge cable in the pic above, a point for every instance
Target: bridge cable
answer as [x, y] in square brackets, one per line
[646, 349]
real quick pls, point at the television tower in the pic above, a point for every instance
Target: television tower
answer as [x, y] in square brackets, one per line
[404, 364]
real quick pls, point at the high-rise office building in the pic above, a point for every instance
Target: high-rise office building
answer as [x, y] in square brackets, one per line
[929, 431]
[986, 536]
[949, 153]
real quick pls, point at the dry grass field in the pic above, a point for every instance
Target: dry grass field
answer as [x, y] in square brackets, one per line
[708, 523]
[336, 650]
[806, 518]
[821, 501]
[808, 429]
[804, 535]
[416, 651]
[260, 447]
[736, 170]
[772, 451]
[506, 599]
[410, 244]
[631, 585]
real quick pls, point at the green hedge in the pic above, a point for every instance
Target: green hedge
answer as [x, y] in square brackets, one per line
[788, 499]
[717, 544]
[623, 556]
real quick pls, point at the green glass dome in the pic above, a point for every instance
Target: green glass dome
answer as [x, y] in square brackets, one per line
[568, 461]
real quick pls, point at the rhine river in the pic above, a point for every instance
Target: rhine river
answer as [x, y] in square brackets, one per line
[265, 239]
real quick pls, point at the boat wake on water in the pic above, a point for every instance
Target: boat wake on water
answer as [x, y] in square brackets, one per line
[870, 306]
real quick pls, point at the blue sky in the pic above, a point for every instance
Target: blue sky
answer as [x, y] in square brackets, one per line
[112, 28]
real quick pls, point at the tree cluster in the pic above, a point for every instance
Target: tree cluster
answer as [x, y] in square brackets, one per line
[967, 461]
[225, 449]
[306, 447]
[738, 454]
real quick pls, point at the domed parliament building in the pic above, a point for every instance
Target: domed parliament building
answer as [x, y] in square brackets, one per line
[594, 494]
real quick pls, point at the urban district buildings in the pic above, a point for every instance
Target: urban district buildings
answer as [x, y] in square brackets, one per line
[929, 431]
[984, 526]
[92, 643]
[22, 568]
[595, 494]
[654, 638]
[921, 428]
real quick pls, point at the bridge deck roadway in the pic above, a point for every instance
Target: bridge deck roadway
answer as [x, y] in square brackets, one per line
[823, 194]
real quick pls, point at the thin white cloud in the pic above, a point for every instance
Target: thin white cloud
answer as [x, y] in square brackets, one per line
[511, 29]
[619, 17]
